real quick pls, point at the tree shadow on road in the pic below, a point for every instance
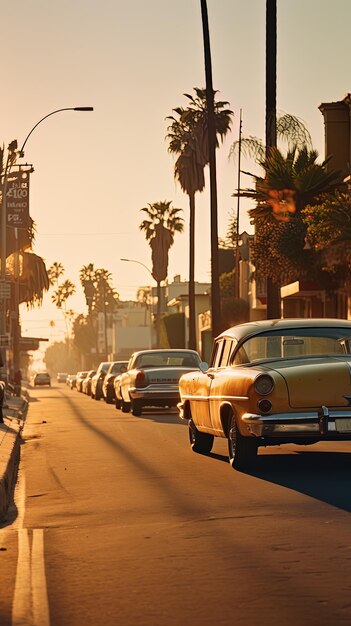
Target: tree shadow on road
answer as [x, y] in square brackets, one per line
[325, 476]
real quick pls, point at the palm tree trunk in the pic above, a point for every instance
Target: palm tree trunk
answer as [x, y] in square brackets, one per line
[158, 315]
[192, 316]
[215, 293]
[273, 289]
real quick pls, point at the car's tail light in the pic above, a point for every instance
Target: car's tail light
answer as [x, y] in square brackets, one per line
[264, 384]
[265, 406]
[140, 379]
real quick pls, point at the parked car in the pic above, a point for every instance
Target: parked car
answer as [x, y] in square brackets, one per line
[271, 382]
[61, 377]
[118, 393]
[42, 378]
[152, 378]
[71, 380]
[108, 390]
[86, 383]
[79, 380]
[98, 379]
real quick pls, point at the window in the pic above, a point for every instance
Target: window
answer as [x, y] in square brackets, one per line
[228, 344]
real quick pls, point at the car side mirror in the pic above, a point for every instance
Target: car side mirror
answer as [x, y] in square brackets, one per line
[203, 366]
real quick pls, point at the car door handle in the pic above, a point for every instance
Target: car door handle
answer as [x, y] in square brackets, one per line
[210, 375]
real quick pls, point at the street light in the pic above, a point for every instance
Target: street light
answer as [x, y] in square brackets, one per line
[21, 151]
[6, 174]
[139, 263]
[158, 317]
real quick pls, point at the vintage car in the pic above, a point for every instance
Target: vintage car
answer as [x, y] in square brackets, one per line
[86, 383]
[271, 382]
[79, 380]
[152, 378]
[98, 379]
[108, 389]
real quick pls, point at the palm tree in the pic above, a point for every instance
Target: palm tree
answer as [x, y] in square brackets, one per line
[162, 222]
[188, 139]
[100, 296]
[290, 131]
[289, 183]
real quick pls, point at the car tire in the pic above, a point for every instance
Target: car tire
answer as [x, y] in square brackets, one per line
[200, 442]
[242, 451]
[125, 407]
[118, 404]
[137, 408]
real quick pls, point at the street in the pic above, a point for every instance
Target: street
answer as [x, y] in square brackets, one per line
[117, 522]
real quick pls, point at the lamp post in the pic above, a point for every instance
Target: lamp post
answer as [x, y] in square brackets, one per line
[9, 163]
[158, 315]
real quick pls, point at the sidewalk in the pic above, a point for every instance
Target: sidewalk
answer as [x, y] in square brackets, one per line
[14, 411]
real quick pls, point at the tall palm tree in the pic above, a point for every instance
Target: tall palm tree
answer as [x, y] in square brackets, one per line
[160, 226]
[188, 139]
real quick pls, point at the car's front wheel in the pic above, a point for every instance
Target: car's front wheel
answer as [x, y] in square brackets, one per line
[242, 451]
[118, 404]
[125, 407]
[200, 442]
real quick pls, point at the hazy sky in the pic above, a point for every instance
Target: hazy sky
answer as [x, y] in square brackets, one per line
[133, 61]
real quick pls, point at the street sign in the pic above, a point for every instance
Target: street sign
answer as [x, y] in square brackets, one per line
[5, 289]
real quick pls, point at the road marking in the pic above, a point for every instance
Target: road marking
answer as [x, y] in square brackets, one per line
[22, 601]
[40, 603]
[30, 606]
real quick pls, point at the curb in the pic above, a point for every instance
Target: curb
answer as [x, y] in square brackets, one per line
[10, 440]
[14, 411]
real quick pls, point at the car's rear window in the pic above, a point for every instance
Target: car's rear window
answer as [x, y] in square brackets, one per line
[173, 359]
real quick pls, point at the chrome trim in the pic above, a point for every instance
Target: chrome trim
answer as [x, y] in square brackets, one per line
[314, 422]
[279, 417]
[207, 398]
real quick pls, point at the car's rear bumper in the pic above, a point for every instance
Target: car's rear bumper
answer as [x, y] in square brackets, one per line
[155, 394]
[323, 424]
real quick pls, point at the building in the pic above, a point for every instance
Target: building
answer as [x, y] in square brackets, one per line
[131, 329]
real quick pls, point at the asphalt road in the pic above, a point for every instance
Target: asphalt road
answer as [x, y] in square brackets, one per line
[116, 522]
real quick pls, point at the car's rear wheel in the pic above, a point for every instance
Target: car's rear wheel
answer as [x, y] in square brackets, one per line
[200, 442]
[242, 450]
[125, 407]
[137, 408]
[118, 404]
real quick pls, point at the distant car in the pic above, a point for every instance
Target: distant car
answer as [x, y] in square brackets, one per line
[86, 384]
[152, 378]
[61, 377]
[42, 378]
[108, 390]
[98, 379]
[271, 382]
[71, 381]
[79, 380]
